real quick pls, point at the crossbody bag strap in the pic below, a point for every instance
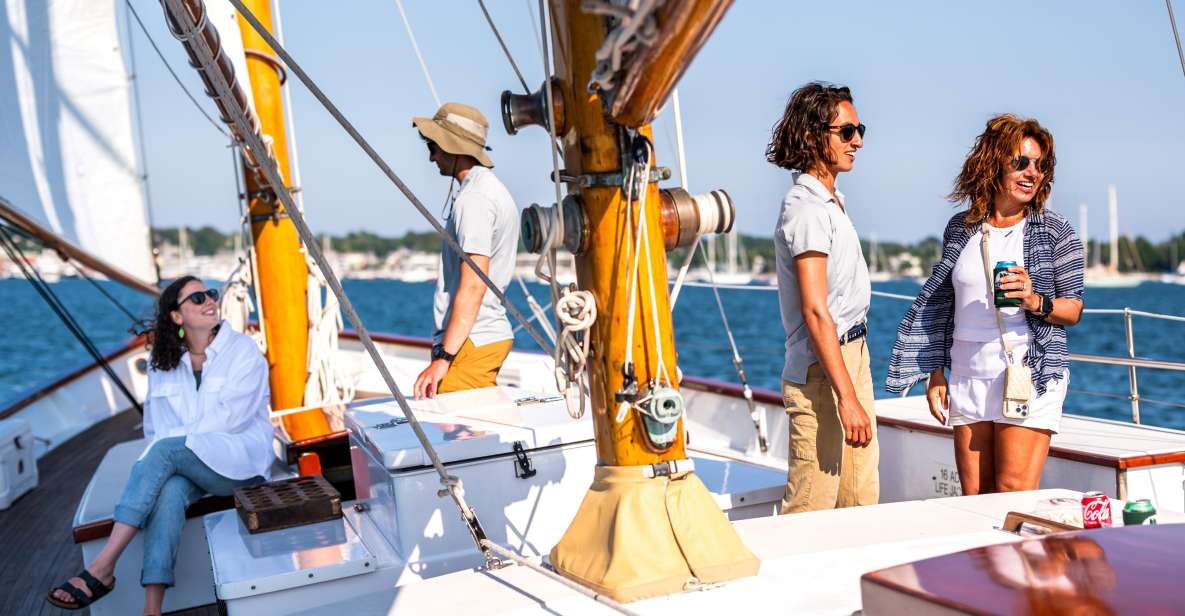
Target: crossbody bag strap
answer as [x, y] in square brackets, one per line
[987, 272]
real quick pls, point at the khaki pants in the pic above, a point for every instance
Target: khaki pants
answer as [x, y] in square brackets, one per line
[475, 366]
[825, 472]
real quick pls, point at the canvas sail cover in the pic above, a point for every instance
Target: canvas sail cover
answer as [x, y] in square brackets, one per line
[67, 152]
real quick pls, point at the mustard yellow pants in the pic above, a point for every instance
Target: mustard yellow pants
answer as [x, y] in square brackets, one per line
[825, 472]
[475, 366]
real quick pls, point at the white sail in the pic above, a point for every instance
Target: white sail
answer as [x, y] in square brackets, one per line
[67, 152]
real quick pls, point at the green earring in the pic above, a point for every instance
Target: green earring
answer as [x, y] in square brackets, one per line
[181, 332]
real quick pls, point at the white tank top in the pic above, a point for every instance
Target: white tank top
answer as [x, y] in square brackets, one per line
[975, 318]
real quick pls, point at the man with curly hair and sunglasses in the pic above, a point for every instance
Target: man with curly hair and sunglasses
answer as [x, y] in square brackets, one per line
[824, 292]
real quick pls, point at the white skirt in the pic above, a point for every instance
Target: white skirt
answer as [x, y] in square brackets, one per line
[975, 396]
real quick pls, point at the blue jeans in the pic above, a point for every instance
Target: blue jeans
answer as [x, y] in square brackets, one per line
[162, 484]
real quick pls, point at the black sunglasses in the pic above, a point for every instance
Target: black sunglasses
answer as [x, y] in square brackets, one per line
[1020, 163]
[847, 131]
[199, 297]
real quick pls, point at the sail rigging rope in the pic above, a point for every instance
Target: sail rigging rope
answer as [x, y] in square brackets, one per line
[1176, 35]
[17, 256]
[538, 313]
[575, 310]
[142, 149]
[738, 363]
[636, 233]
[176, 78]
[416, 47]
[78, 267]
[505, 49]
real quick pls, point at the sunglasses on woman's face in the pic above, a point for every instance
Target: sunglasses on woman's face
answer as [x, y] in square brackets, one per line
[1020, 163]
[199, 297]
[848, 131]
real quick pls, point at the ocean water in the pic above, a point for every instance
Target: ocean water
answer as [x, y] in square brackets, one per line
[36, 347]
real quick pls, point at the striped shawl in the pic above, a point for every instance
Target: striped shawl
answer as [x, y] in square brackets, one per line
[1054, 260]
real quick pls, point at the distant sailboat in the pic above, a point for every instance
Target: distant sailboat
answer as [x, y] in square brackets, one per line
[1098, 276]
[875, 273]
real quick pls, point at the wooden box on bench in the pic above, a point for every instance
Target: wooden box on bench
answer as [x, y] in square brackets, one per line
[287, 503]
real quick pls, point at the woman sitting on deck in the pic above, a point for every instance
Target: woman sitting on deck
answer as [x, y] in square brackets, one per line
[1006, 181]
[206, 421]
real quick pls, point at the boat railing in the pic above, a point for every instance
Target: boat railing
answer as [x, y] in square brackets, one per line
[1131, 361]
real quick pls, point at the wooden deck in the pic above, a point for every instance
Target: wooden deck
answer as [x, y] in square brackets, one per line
[38, 551]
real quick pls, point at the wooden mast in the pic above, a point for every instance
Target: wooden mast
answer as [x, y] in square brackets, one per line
[593, 145]
[283, 274]
[633, 537]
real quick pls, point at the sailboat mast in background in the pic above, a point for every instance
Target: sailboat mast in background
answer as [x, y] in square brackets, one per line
[1113, 214]
[283, 273]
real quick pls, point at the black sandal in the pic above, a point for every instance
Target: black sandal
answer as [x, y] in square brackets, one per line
[81, 599]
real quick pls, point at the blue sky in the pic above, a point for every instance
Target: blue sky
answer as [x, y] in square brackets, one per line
[1102, 76]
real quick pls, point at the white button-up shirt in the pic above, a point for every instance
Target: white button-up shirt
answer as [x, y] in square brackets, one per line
[225, 422]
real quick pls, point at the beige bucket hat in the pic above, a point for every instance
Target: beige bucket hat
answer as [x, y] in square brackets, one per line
[457, 129]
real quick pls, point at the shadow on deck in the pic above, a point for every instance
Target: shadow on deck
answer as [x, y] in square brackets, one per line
[39, 552]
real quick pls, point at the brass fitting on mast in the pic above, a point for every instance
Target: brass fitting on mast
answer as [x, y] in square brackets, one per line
[522, 110]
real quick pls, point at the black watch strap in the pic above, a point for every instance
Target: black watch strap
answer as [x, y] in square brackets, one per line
[1046, 305]
[438, 352]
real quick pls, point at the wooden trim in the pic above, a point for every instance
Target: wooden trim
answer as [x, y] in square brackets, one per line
[101, 529]
[724, 388]
[1174, 457]
[875, 577]
[70, 376]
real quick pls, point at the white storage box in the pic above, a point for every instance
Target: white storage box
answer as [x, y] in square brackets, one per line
[476, 433]
[18, 466]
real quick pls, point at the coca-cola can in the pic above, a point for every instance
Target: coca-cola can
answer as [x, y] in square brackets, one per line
[1096, 510]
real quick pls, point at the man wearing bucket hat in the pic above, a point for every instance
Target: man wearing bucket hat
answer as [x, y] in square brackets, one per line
[473, 335]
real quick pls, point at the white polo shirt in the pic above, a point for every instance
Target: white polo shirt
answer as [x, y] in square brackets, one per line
[484, 221]
[225, 422]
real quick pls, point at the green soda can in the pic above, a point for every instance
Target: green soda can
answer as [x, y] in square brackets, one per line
[998, 273]
[1139, 512]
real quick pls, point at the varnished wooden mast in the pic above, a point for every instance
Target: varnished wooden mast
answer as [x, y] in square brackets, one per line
[593, 145]
[283, 274]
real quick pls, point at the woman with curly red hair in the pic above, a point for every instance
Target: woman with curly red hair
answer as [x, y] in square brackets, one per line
[1002, 336]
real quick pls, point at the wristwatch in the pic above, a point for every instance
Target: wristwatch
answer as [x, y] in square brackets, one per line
[438, 352]
[1046, 306]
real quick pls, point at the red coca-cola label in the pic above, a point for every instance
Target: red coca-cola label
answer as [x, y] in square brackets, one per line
[1096, 511]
